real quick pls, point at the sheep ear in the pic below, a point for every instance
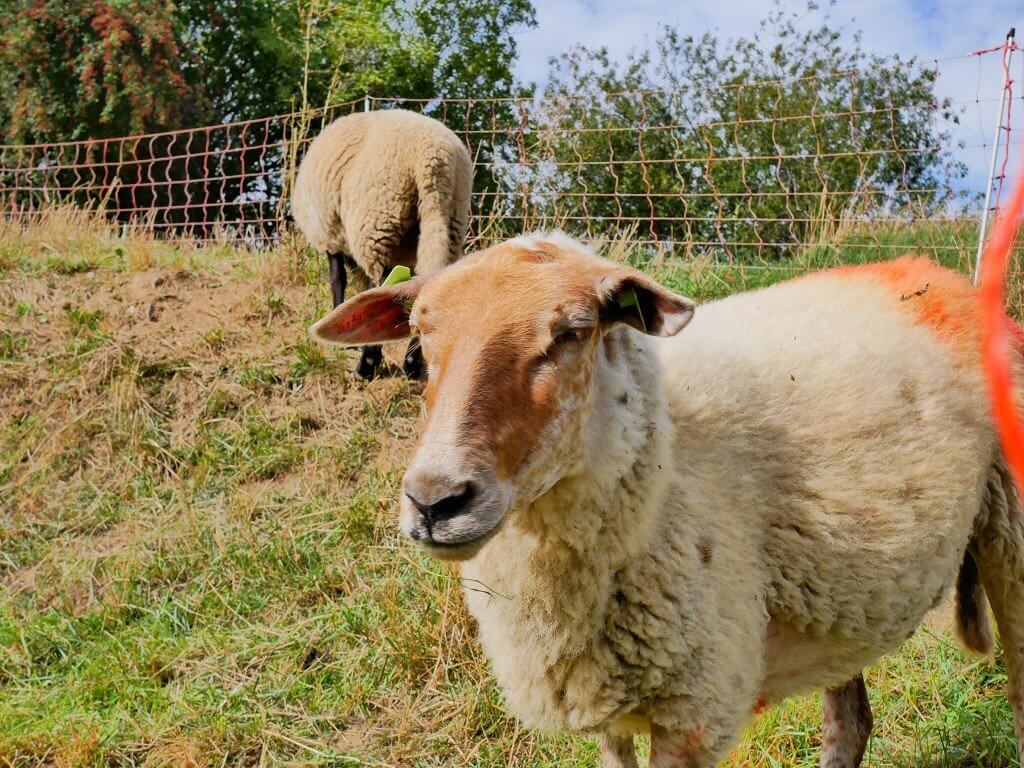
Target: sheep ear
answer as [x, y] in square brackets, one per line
[630, 297]
[375, 316]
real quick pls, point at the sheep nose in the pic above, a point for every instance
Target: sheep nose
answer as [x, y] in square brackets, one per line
[437, 499]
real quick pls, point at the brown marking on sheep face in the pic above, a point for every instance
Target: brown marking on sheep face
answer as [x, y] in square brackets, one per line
[510, 340]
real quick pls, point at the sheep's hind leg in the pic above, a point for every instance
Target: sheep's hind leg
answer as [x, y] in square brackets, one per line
[1005, 588]
[999, 551]
[413, 362]
[847, 724]
[617, 751]
[373, 355]
[1009, 610]
[369, 361]
[338, 278]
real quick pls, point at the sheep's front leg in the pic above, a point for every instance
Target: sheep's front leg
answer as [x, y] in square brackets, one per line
[617, 751]
[337, 276]
[847, 724]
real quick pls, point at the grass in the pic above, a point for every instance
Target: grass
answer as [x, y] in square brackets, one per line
[198, 553]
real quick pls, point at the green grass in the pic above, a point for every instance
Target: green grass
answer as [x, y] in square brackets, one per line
[198, 552]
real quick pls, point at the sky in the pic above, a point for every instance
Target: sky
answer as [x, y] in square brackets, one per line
[929, 30]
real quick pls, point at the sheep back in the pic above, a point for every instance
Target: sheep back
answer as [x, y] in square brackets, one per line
[369, 178]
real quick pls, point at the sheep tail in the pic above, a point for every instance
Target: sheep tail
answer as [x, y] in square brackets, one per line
[971, 614]
[434, 250]
[443, 209]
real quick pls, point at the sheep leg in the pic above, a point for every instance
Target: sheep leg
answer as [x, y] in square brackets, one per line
[1007, 598]
[337, 276]
[369, 361]
[372, 355]
[847, 724]
[617, 751]
[413, 362]
[999, 551]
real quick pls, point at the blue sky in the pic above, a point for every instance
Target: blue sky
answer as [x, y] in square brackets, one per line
[930, 30]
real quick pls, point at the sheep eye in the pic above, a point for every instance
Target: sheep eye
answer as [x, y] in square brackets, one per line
[570, 336]
[559, 342]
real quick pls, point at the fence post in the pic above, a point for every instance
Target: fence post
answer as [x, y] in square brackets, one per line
[366, 103]
[1008, 48]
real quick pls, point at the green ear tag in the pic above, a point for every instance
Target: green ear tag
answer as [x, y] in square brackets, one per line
[398, 275]
[628, 299]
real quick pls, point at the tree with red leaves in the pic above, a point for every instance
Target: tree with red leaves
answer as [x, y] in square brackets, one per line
[73, 69]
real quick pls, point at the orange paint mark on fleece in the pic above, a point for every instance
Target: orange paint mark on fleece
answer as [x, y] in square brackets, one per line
[936, 297]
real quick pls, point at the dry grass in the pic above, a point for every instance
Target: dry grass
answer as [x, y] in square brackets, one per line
[197, 548]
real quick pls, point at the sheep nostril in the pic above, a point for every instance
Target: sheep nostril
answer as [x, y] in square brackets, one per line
[453, 505]
[445, 508]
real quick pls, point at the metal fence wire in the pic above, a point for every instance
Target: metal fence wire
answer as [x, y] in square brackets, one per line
[746, 170]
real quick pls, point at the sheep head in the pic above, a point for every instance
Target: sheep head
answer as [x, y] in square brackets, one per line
[511, 338]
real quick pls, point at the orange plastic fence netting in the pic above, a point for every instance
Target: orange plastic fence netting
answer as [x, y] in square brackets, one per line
[999, 336]
[738, 171]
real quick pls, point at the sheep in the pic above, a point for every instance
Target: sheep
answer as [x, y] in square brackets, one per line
[380, 189]
[664, 533]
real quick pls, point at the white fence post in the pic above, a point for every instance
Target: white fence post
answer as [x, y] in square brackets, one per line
[1008, 48]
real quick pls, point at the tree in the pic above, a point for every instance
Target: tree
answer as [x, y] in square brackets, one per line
[72, 70]
[102, 68]
[759, 140]
[99, 68]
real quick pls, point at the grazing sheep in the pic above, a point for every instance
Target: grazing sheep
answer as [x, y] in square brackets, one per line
[665, 534]
[379, 189]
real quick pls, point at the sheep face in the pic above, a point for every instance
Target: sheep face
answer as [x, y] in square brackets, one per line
[512, 341]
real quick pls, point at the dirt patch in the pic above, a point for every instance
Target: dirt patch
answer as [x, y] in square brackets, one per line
[115, 384]
[161, 313]
[166, 314]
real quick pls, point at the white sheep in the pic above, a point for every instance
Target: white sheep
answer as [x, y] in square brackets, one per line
[382, 189]
[664, 534]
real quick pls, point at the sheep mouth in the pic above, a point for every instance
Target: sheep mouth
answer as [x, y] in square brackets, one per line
[458, 551]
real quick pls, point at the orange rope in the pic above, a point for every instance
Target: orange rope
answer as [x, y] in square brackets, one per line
[996, 332]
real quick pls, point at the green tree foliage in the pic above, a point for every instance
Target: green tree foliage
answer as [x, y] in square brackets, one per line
[71, 69]
[103, 68]
[761, 140]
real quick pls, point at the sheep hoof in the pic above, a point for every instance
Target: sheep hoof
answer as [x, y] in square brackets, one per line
[413, 362]
[369, 361]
